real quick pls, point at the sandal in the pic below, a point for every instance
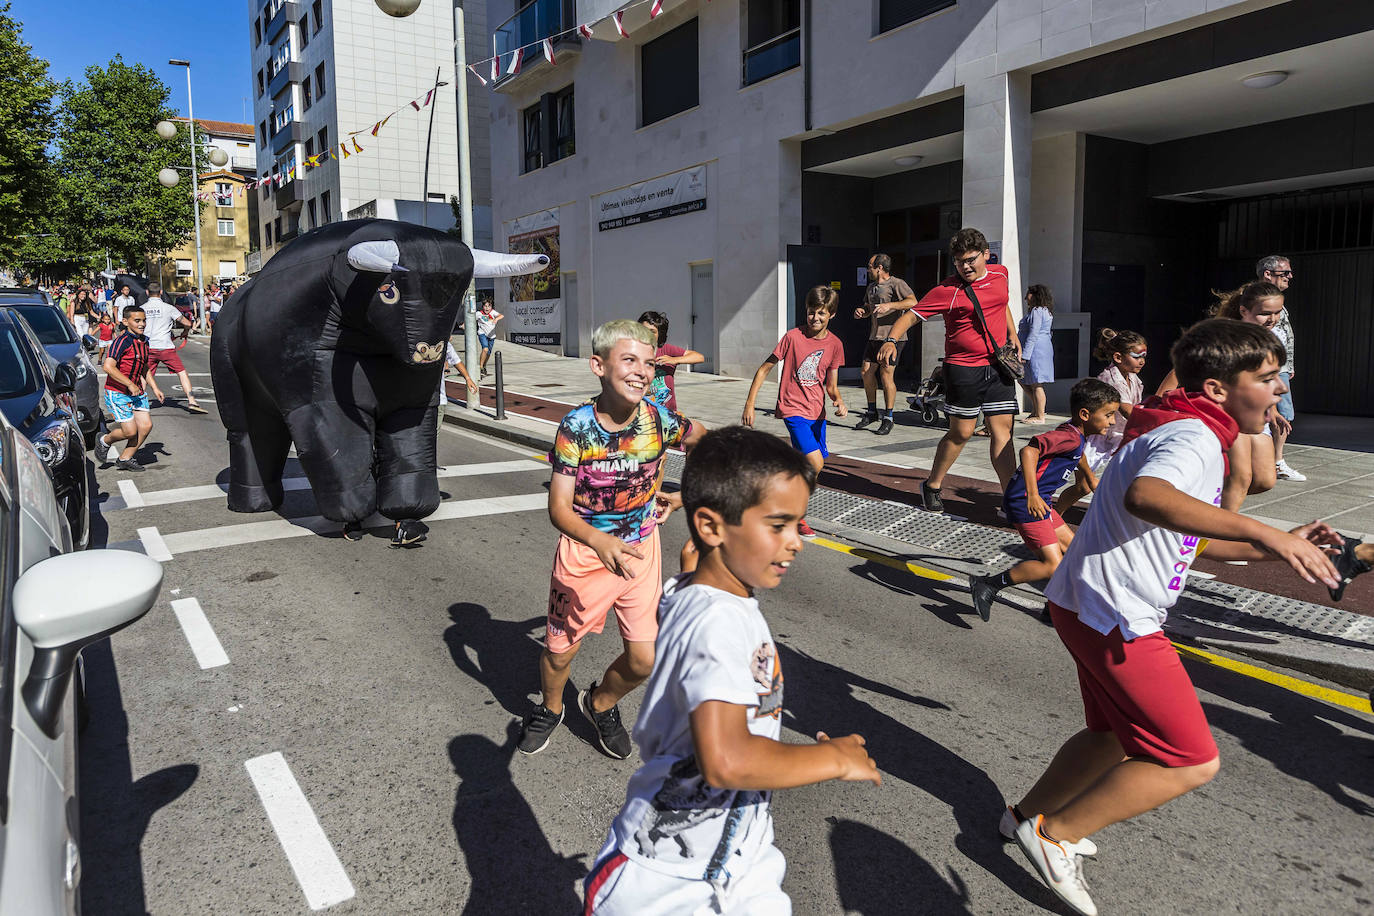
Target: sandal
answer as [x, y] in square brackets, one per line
[194, 407]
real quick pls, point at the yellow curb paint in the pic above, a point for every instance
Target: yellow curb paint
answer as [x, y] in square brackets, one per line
[1284, 681]
[882, 558]
[1307, 689]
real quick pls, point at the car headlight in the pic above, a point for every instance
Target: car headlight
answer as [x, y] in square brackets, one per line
[51, 444]
[82, 364]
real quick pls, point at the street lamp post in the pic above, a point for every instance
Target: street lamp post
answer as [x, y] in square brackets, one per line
[470, 357]
[195, 188]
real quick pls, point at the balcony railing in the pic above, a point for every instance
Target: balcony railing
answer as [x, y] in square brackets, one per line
[536, 20]
[771, 57]
[283, 78]
[289, 133]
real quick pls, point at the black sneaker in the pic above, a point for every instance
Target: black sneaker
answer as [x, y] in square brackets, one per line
[1348, 566]
[984, 591]
[930, 499]
[610, 733]
[538, 729]
[353, 531]
[885, 427]
[868, 419]
[409, 532]
[128, 464]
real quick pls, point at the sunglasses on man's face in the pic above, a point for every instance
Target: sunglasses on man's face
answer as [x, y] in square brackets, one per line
[1282, 273]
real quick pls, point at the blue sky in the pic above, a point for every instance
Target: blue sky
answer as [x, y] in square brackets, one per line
[212, 34]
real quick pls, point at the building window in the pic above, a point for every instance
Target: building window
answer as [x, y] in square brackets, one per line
[892, 13]
[309, 147]
[284, 116]
[668, 69]
[183, 267]
[325, 213]
[261, 85]
[534, 137]
[772, 39]
[305, 32]
[228, 270]
[267, 233]
[310, 208]
[263, 128]
[257, 32]
[322, 138]
[319, 81]
[226, 227]
[306, 98]
[224, 194]
[281, 56]
[286, 165]
[564, 134]
[318, 10]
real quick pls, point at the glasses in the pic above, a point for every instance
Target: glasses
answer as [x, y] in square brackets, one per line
[1140, 355]
[1282, 273]
[967, 262]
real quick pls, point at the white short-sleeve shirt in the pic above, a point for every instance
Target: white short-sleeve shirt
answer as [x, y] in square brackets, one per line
[162, 317]
[1121, 571]
[711, 645]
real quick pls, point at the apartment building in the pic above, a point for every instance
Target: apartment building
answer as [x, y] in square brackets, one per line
[719, 159]
[228, 214]
[324, 73]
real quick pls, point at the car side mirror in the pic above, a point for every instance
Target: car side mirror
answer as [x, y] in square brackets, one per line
[89, 343]
[64, 379]
[65, 603]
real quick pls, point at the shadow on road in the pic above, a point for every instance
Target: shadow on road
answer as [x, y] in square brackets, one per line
[878, 875]
[513, 867]
[820, 697]
[507, 658]
[116, 810]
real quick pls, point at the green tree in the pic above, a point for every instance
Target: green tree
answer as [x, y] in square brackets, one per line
[109, 155]
[26, 128]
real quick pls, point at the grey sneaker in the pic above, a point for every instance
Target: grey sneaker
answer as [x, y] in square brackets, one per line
[930, 499]
[885, 426]
[128, 464]
[408, 533]
[538, 729]
[610, 733]
[868, 419]
[984, 591]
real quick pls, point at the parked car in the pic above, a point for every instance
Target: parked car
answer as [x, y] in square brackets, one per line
[36, 398]
[53, 603]
[61, 341]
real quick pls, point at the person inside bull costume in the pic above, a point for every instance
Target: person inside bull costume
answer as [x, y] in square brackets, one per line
[338, 346]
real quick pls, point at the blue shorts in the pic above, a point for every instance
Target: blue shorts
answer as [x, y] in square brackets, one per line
[1286, 399]
[807, 435]
[486, 342]
[122, 405]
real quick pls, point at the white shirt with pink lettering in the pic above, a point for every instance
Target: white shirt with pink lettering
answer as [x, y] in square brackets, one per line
[1121, 571]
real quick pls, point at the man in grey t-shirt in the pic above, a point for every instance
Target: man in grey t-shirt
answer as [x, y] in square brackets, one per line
[886, 298]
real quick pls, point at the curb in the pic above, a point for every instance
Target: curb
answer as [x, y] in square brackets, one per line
[499, 429]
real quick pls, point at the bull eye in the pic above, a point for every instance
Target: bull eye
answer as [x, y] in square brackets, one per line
[389, 294]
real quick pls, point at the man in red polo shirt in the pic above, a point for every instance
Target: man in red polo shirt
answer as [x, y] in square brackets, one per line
[972, 385]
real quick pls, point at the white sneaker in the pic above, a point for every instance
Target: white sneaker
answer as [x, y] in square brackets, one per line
[1287, 473]
[1084, 847]
[1060, 869]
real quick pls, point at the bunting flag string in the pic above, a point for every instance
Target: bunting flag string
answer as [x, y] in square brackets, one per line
[548, 52]
[618, 15]
[656, 9]
[516, 60]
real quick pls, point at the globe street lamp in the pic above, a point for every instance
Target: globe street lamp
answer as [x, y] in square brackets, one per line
[217, 157]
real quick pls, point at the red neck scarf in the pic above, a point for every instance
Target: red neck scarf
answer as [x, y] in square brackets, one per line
[1182, 405]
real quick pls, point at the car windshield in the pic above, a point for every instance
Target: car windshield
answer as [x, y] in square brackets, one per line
[16, 378]
[47, 322]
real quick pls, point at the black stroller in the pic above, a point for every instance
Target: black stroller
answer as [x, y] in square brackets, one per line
[929, 400]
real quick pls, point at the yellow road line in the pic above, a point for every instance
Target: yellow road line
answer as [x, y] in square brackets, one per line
[1284, 681]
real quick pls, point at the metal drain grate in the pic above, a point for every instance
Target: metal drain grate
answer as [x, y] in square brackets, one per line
[874, 516]
[923, 528]
[828, 505]
[974, 542]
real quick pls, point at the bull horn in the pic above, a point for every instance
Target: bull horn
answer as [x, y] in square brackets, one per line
[378, 257]
[488, 264]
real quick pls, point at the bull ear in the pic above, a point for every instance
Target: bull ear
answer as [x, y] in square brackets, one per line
[374, 257]
[488, 264]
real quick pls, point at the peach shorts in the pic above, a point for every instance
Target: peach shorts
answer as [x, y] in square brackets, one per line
[582, 592]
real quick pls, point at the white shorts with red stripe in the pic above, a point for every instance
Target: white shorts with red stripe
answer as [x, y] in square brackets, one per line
[620, 886]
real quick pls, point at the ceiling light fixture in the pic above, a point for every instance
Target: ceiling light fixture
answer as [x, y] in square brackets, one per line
[1264, 80]
[906, 161]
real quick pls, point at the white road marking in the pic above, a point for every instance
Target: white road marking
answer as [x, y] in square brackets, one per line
[276, 529]
[153, 544]
[132, 498]
[215, 491]
[201, 636]
[312, 857]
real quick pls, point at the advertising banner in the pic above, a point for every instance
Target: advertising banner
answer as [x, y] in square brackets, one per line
[535, 315]
[672, 195]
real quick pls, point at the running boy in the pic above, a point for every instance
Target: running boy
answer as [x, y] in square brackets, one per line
[1147, 740]
[1047, 462]
[695, 834]
[607, 465]
[811, 357]
[126, 372]
[487, 316]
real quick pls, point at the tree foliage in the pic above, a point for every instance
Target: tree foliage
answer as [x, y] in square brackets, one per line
[26, 128]
[109, 155]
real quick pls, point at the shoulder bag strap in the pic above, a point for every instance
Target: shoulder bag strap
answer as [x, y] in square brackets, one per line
[981, 321]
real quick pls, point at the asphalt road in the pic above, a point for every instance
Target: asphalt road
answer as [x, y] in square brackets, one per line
[389, 682]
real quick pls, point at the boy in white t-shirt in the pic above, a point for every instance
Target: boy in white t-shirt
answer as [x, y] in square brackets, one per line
[1147, 740]
[695, 834]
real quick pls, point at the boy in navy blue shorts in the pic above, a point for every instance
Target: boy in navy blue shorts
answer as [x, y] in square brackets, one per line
[811, 358]
[1047, 463]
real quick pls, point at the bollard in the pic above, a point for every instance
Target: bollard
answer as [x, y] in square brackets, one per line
[500, 389]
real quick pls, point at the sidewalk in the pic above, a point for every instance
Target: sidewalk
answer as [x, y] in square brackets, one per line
[868, 487]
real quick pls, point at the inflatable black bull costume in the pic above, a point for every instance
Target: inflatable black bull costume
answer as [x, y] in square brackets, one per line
[338, 346]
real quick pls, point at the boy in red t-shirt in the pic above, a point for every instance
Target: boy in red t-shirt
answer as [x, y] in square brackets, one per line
[811, 357]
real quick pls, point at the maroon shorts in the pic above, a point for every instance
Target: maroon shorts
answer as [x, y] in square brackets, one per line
[166, 358]
[1138, 690]
[1043, 532]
